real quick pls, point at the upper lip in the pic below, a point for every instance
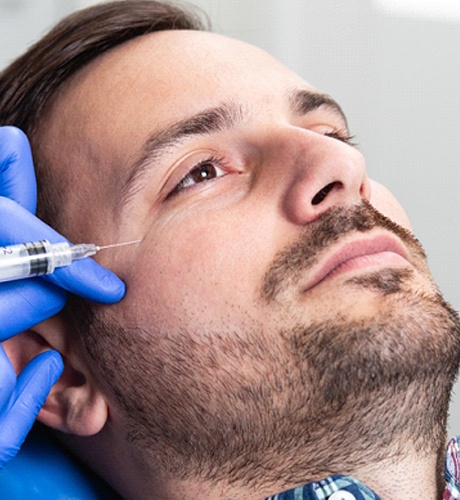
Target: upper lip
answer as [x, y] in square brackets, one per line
[351, 249]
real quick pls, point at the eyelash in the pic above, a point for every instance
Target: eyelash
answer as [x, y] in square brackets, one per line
[214, 161]
[340, 136]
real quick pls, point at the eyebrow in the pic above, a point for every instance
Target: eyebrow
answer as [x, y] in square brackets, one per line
[222, 117]
[303, 102]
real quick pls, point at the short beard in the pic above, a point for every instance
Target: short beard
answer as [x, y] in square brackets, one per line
[254, 407]
[390, 392]
[325, 398]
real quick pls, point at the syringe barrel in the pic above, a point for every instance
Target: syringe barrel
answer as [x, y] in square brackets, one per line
[32, 259]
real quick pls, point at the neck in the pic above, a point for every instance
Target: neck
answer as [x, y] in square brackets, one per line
[413, 475]
[410, 477]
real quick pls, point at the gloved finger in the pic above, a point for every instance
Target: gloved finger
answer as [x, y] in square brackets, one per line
[19, 225]
[26, 303]
[89, 280]
[17, 176]
[85, 278]
[33, 386]
[7, 379]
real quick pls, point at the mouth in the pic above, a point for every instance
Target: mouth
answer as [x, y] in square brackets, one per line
[357, 256]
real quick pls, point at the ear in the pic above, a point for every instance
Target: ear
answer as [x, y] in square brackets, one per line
[75, 404]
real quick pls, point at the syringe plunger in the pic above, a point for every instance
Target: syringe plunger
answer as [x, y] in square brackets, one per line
[39, 257]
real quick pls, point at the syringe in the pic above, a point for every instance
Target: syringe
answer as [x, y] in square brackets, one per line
[42, 257]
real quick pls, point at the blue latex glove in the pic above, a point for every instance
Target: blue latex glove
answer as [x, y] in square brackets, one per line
[26, 303]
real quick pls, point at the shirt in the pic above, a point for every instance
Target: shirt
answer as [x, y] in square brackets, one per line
[340, 487]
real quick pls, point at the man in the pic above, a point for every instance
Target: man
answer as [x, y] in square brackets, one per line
[280, 325]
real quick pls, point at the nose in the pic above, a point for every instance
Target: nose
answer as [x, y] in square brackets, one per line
[323, 172]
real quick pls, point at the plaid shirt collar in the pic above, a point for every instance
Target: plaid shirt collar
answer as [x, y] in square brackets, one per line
[339, 487]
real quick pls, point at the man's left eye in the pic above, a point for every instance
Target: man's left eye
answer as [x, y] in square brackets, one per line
[203, 171]
[340, 136]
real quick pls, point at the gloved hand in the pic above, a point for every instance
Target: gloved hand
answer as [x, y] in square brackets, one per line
[26, 303]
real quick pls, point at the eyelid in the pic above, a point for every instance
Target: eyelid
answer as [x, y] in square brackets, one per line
[208, 159]
[338, 132]
[342, 136]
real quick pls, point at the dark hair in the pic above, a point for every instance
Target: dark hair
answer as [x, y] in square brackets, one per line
[27, 85]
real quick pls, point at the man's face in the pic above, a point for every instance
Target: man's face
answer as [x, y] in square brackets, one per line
[215, 200]
[239, 181]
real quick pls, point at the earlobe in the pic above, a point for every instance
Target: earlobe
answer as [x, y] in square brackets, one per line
[75, 404]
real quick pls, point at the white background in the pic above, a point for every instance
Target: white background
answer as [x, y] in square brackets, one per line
[397, 77]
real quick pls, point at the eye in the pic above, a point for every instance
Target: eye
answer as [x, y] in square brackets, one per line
[341, 136]
[203, 171]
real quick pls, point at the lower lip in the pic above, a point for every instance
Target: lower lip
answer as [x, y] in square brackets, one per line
[366, 262]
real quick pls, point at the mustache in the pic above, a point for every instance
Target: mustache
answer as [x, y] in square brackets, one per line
[291, 263]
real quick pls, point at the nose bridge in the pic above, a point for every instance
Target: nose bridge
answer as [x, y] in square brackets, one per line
[323, 172]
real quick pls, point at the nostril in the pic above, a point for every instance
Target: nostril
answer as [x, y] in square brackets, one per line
[320, 195]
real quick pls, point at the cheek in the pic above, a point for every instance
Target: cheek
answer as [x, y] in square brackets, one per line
[386, 203]
[194, 274]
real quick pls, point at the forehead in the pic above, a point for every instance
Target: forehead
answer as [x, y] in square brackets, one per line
[103, 116]
[179, 72]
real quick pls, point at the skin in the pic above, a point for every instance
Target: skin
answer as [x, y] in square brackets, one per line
[210, 245]
[276, 187]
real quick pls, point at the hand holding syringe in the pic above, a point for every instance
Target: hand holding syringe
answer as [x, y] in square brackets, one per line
[42, 257]
[24, 304]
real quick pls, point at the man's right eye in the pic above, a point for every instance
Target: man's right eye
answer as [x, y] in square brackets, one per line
[204, 171]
